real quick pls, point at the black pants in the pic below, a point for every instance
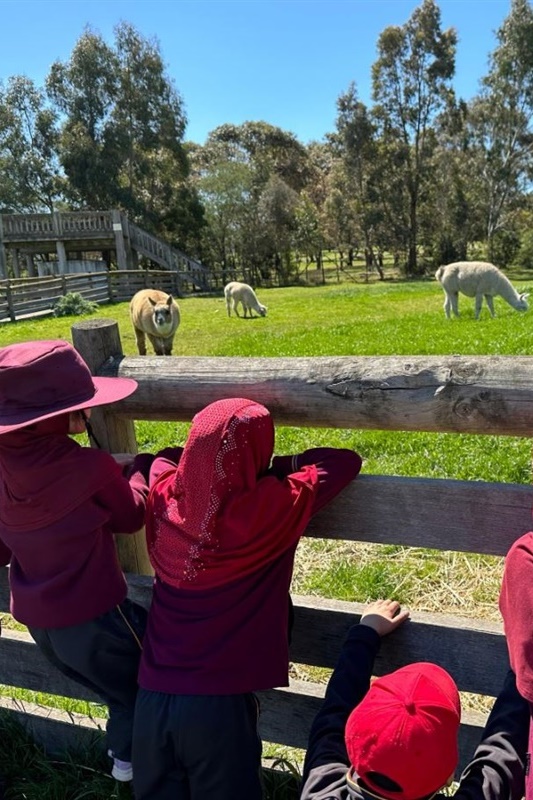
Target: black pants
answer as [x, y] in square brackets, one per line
[188, 747]
[103, 655]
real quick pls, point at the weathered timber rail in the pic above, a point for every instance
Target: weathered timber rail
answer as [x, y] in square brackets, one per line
[488, 395]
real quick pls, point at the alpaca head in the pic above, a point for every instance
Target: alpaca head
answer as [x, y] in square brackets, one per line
[522, 304]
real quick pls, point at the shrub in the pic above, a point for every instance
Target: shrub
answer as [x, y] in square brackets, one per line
[524, 257]
[74, 304]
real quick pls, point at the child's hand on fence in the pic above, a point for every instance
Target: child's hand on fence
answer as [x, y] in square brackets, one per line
[384, 616]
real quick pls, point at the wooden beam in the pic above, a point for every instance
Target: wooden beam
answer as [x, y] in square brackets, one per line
[435, 513]
[286, 714]
[455, 394]
[473, 651]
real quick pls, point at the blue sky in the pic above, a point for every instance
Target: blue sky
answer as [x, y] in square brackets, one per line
[282, 61]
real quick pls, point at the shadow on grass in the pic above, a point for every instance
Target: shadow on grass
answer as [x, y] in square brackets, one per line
[27, 773]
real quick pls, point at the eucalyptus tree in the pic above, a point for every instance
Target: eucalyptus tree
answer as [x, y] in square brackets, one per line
[148, 117]
[277, 210]
[310, 231]
[84, 90]
[30, 174]
[123, 123]
[411, 86]
[451, 220]
[500, 123]
[270, 151]
[355, 142]
[224, 189]
[269, 168]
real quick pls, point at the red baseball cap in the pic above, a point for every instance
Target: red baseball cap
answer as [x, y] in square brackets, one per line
[43, 379]
[404, 733]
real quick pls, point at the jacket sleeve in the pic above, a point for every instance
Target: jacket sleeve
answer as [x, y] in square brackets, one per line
[497, 770]
[125, 496]
[336, 468]
[164, 460]
[326, 761]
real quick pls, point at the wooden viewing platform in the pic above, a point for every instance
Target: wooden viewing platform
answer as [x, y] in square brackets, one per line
[68, 234]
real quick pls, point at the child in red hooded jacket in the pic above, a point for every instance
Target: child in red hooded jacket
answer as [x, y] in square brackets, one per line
[222, 527]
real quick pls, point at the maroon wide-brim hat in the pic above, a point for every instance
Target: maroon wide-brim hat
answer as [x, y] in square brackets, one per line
[43, 379]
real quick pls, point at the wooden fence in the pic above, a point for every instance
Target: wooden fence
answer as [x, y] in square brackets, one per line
[489, 395]
[21, 298]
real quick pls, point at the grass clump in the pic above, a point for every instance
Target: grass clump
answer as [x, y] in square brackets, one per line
[27, 773]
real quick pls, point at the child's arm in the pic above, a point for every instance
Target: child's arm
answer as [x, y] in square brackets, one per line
[497, 769]
[126, 493]
[326, 762]
[336, 467]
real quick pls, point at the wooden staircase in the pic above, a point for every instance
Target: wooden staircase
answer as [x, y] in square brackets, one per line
[24, 236]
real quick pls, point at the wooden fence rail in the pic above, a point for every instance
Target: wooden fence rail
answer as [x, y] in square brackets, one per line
[489, 395]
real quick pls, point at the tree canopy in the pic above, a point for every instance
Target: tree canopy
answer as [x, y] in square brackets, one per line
[417, 172]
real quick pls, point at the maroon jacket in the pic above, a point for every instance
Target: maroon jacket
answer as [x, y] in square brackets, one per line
[67, 573]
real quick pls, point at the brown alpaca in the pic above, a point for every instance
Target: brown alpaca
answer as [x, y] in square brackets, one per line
[154, 314]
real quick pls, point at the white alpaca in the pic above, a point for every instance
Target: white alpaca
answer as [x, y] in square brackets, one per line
[156, 315]
[236, 292]
[477, 279]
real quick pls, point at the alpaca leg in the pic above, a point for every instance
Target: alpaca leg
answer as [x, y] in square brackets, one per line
[157, 345]
[479, 303]
[228, 305]
[235, 303]
[141, 342]
[447, 305]
[454, 297]
[490, 303]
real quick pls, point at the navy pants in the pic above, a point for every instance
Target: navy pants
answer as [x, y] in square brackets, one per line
[103, 655]
[196, 747]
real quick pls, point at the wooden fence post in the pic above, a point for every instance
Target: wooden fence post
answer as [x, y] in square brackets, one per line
[3, 260]
[9, 299]
[98, 342]
[120, 245]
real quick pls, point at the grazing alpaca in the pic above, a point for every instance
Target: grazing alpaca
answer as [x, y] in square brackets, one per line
[477, 279]
[156, 315]
[236, 292]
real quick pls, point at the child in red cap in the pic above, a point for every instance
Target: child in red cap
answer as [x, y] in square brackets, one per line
[396, 739]
[222, 527]
[60, 504]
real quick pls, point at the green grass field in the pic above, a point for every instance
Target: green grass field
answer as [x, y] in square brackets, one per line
[391, 318]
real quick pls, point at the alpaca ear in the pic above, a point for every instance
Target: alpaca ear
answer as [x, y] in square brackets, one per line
[525, 295]
[152, 301]
[169, 300]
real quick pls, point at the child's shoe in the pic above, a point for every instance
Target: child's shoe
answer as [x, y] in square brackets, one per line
[122, 770]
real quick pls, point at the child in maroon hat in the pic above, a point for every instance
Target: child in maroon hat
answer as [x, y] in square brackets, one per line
[222, 527]
[60, 504]
[396, 739]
